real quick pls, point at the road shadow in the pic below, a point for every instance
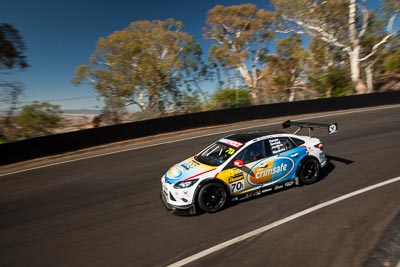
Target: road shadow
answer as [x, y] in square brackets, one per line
[329, 167]
[338, 159]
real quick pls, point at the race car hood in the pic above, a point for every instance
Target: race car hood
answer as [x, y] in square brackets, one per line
[186, 170]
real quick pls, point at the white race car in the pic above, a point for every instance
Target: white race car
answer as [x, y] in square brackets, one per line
[242, 165]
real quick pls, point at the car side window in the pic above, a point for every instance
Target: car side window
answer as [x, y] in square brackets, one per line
[252, 153]
[280, 144]
[297, 141]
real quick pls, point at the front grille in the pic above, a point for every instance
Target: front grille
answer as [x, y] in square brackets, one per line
[171, 197]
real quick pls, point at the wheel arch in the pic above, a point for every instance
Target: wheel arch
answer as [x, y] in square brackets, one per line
[208, 181]
[316, 175]
[212, 180]
[304, 160]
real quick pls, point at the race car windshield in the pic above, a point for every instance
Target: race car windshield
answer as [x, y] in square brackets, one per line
[216, 154]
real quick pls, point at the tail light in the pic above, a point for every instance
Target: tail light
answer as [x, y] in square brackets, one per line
[319, 146]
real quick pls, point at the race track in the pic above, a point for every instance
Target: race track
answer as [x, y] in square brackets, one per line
[102, 207]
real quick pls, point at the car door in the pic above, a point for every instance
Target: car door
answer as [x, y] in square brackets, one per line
[260, 173]
[287, 156]
[236, 175]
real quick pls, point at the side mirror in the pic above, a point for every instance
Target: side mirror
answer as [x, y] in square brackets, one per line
[238, 163]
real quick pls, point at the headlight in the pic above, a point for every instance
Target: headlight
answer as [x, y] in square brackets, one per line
[185, 184]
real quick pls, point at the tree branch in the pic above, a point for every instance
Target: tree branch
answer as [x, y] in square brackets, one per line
[321, 33]
[385, 39]
[376, 46]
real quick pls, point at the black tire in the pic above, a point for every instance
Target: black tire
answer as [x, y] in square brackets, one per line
[309, 171]
[211, 197]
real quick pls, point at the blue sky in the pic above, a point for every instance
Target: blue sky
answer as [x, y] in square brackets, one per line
[61, 35]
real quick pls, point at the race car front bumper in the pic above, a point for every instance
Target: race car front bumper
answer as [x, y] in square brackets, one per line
[178, 210]
[178, 200]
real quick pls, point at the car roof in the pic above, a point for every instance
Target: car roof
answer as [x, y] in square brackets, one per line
[245, 137]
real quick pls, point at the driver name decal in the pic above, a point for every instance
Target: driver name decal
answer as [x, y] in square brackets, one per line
[269, 171]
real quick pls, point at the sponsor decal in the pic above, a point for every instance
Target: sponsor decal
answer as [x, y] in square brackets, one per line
[332, 128]
[290, 183]
[232, 143]
[266, 190]
[174, 173]
[271, 170]
[186, 170]
[278, 187]
[236, 177]
[190, 164]
[253, 193]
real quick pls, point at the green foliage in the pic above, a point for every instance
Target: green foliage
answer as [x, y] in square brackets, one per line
[392, 62]
[191, 103]
[37, 119]
[231, 98]
[12, 48]
[287, 62]
[334, 82]
[112, 111]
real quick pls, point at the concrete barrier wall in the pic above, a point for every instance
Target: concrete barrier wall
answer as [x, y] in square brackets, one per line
[71, 141]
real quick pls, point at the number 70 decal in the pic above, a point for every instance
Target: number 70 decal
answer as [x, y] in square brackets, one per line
[237, 186]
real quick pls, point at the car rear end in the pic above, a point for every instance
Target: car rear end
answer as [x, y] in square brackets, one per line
[314, 148]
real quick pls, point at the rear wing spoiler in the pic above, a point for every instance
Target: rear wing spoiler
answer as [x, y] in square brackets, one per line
[332, 127]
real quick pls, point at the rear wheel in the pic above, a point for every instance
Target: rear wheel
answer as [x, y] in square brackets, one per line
[211, 197]
[309, 171]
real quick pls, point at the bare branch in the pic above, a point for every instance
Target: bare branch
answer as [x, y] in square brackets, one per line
[291, 31]
[391, 21]
[375, 47]
[385, 39]
[321, 33]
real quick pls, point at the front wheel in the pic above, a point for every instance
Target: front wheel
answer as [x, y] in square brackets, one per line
[211, 197]
[309, 171]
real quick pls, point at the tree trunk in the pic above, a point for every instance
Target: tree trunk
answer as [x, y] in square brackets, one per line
[369, 75]
[251, 83]
[292, 81]
[359, 85]
[354, 50]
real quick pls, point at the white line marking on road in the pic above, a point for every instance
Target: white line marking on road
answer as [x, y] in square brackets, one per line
[279, 222]
[195, 137]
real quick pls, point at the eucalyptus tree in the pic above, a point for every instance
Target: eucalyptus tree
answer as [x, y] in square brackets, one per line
[340, 23]
[12, 57]
[242, 34]
[12, 49]
[288, 63]
[37, 119]
[142, 65]
[327, 70]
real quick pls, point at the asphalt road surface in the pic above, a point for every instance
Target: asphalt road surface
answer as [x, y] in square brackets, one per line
[102, 207]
